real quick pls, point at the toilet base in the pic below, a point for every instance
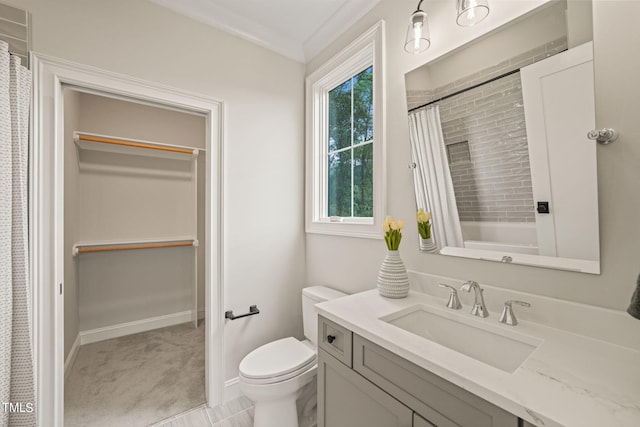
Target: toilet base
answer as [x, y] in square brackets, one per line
[276, 403]
[277, 413]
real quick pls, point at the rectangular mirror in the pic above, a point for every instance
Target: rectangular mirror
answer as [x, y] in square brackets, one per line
[498, 132]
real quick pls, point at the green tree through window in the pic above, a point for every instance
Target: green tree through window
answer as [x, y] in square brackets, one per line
[350, 147]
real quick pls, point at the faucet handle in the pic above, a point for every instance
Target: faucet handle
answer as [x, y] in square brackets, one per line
[507, 317]
[454, 302]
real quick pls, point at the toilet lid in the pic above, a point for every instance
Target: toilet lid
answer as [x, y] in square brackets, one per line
[276, 359]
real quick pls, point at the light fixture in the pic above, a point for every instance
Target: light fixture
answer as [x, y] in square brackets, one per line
[470, 12]
[418, 39]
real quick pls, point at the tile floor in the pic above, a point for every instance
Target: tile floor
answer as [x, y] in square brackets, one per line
[235, 413]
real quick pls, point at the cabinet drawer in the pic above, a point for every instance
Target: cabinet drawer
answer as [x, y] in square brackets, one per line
[433, 398]
[335, 340]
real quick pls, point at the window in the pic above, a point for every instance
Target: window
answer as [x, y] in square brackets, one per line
[350, 147]
[345, 141]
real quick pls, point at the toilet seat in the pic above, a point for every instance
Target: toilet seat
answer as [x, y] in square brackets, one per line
[277, 361]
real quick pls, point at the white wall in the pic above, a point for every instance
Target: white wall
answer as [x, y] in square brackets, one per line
[122, 198]
[351, 264]
[264, 261]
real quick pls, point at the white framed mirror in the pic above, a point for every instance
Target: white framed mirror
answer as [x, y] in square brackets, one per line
[498, 133]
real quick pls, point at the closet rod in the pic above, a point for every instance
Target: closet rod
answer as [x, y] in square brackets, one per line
[133, 144]
[82, 250]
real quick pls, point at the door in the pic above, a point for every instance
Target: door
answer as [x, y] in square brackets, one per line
[46, 209]
[345, 399]
[559, 105]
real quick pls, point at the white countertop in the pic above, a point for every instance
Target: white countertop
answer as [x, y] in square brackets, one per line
[569, 380]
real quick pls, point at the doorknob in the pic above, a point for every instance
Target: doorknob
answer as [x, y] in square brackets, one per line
[603, 136]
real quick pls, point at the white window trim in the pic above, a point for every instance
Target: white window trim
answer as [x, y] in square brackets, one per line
[366, 50]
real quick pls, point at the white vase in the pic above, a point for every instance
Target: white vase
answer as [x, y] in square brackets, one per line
[427, 245]
[393, 280]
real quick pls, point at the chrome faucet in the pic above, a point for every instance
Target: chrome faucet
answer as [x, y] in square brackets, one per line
[479, 309]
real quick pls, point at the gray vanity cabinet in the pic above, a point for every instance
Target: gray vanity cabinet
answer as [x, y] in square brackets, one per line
[348, 400]
[418, 421]
[375, 387]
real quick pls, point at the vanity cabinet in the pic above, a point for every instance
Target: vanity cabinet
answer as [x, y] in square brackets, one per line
[349, 400]
[379, 388]
[418, 421]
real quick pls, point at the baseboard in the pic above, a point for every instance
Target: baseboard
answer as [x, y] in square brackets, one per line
[231, 389]
[71, 357]
[122, 329]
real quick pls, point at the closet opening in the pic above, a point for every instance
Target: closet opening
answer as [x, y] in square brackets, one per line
[134, 260]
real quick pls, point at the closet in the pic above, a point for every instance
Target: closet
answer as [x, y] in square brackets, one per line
[134, 220]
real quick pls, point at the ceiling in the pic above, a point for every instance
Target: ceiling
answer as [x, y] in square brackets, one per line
[298, 29]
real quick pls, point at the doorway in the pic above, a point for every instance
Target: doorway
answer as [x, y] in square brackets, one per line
[51, 78]
[134, 275]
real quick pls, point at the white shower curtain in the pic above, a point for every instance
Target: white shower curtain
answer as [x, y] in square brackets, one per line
[16, 359]
[432, 177]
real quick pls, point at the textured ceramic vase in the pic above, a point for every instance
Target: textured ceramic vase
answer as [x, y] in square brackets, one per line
[427, 245]
[393, 280]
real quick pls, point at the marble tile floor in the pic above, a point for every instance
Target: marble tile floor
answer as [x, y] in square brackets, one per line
[235, 413]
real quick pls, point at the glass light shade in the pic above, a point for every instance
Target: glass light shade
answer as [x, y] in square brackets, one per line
[418, 39]
[470, 12]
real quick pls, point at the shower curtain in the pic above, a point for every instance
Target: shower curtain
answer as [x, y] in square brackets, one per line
[17, 391]
[432, 177]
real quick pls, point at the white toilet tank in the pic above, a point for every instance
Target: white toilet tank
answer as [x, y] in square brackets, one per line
[310, 297]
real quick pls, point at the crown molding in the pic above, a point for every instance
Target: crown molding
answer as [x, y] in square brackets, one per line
[255, 32]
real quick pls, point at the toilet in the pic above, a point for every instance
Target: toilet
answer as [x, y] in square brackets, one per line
[276, 374]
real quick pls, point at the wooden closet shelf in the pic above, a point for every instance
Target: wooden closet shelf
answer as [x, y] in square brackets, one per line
[96, 142]
[80, 248]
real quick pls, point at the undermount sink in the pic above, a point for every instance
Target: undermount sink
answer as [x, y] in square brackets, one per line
[490, 344]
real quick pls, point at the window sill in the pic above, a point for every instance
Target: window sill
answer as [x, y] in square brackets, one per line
[346, 229]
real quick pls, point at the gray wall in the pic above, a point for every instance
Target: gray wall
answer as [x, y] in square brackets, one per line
[494, 184]
[485, 133]
[351, 264]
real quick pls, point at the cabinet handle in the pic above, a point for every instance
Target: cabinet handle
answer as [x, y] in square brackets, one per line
[330, 338]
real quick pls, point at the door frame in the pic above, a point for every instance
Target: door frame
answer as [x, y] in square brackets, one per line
[46, 217]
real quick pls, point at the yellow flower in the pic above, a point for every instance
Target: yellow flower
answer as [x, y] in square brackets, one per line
[392, 235]
[423, 216]
[386, 225]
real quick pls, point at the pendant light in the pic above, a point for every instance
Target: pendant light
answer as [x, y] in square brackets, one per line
[470, 12]
[418, 39]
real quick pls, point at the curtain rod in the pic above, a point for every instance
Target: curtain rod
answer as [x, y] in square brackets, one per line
[473, 87]
[465, 90]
